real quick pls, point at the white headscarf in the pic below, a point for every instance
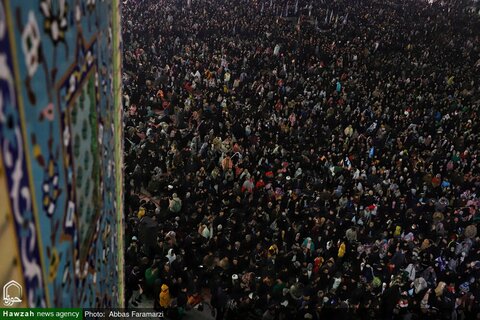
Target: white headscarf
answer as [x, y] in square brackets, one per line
[171, 256]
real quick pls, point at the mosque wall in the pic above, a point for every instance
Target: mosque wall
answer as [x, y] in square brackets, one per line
[61, 152]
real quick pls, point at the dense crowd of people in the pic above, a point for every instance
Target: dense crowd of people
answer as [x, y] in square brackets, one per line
[300, 159]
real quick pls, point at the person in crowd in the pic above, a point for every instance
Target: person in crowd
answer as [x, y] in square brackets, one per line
[303, 159]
